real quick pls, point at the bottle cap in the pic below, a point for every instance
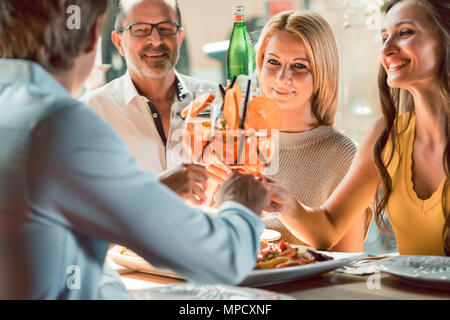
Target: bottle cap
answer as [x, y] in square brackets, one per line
[238, 9]
[238, 12]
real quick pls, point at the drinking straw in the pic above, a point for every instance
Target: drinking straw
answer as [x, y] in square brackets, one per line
[244, 113]
[241, 146]
[200, 158]
[222, 91]
[262, 158]
[233, 82]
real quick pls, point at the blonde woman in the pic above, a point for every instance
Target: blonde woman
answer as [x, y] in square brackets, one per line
[406, 155]
[298, 65]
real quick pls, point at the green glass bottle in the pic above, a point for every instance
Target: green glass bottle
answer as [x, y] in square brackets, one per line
[241, 55]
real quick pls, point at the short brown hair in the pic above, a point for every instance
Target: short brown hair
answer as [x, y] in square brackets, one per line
[38, 31]
[320, 44]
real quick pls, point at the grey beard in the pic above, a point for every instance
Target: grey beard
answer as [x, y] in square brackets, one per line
[157, 72]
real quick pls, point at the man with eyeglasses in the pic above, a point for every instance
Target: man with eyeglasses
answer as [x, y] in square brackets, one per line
[142, 105]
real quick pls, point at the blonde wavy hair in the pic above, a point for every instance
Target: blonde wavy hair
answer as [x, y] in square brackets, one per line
[320, 43]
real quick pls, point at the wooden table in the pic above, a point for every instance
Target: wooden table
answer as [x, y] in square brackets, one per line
[331, 286]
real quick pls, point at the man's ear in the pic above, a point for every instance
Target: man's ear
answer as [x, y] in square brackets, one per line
[117, 40]
[181, 32]
[94, 34]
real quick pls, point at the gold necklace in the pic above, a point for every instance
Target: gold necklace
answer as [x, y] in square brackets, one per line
[159, 114]
[165, 110]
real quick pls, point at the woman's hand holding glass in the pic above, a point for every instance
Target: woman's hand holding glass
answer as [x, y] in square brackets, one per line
[281, 200]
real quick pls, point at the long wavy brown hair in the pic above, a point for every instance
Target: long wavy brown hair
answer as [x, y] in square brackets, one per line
[393, 100]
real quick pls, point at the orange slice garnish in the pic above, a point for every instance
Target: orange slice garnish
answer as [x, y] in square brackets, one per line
[198, 105]
[237, 92]
[263, 113]
[231, 110]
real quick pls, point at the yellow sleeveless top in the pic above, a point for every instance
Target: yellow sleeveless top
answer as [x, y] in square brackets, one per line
[417, 223]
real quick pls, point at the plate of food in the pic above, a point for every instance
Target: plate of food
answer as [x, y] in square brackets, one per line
[276, 263]
[127, 258]
[429, 271]
[283, 262]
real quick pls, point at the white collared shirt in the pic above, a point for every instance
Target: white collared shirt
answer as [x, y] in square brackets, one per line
[120, 104]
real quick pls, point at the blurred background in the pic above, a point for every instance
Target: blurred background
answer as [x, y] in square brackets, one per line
[208, 25]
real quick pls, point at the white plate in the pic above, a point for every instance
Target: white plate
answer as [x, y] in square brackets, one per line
[270, 235]
[191, 291]
[139, 264]
[258, 278]
[429, 271]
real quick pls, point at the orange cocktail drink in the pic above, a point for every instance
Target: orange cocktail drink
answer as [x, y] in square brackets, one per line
[247, 149]
[240, 140]
[197, 137]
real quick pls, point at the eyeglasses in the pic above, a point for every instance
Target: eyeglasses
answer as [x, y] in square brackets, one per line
[146, 29]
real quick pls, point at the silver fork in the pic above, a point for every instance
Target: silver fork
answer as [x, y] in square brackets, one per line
[369, 259]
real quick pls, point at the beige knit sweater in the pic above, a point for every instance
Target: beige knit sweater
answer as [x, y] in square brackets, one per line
[311, 165]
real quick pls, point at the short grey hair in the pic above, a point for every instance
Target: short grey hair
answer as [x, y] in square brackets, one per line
[121, 13]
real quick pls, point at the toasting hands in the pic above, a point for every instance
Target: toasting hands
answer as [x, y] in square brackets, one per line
[187, 180]
[281, 200]
[190, 182]
[245, 189]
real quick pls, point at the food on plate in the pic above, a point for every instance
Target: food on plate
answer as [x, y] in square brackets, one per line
[126, 252]
[198, 105]
[272, 262]
[282, 255]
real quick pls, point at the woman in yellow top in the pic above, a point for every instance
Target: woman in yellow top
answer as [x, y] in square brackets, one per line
[405, 155]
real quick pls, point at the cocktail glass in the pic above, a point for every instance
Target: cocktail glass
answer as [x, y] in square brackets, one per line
[241, 150]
